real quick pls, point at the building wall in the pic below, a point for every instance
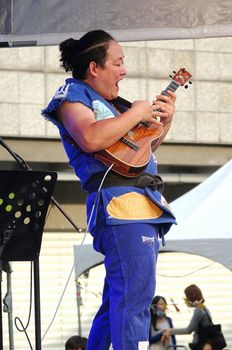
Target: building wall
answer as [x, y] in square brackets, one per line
[30, 76]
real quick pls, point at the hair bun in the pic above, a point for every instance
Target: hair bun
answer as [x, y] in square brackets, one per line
[69, 45]
[68, 49]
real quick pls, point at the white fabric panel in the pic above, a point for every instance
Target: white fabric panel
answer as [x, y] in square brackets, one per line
[45, 22]
[205, 211]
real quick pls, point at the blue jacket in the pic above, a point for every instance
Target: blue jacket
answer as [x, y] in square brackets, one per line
[157, 337]
[86, 166]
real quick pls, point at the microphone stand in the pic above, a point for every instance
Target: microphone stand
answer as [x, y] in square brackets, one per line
[7, 307]
[7, 300]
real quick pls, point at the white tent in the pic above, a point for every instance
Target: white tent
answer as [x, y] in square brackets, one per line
[204, 228]
[204, 217]
[205, 211]
[42, 22]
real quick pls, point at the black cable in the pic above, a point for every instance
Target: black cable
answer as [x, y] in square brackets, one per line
[17, 319]
[187, 274]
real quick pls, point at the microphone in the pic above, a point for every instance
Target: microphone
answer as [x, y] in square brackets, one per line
[23, 165]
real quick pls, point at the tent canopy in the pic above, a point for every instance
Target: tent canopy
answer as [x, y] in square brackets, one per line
[205, 211]
[205, 220]
[43, 22]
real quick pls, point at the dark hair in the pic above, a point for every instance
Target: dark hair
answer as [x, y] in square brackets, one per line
[193, 293]
[77, 54]
[153, 313]
[76, 341]
[157, 298]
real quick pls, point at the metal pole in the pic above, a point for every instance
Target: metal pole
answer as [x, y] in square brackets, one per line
[37, 305]
[7, 307]
[79, 303]
[1, 330]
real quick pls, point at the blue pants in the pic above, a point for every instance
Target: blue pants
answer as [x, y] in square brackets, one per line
[130, 260]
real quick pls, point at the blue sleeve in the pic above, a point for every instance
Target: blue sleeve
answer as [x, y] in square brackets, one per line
[70, 92]
[155, 338]
[171, 326]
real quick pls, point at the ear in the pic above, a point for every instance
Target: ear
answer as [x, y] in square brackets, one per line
[93, 68]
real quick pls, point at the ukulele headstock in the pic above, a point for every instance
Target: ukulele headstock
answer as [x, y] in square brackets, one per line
[182, 77]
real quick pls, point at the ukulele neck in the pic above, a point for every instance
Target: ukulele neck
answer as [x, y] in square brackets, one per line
[173, 86]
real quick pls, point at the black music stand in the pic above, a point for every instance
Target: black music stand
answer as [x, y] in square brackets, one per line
[24, 200]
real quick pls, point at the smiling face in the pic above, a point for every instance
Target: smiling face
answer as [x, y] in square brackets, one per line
[105, 80]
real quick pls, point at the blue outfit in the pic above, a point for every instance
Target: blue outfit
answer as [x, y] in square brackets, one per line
[157, 337]
[126, 223]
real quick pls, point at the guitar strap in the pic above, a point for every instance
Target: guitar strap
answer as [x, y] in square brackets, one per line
[112, 179]
[121, 104]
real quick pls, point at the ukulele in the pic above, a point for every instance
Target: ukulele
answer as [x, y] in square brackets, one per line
[131, 154]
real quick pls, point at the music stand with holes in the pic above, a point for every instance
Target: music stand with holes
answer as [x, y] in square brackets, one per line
[24, 201]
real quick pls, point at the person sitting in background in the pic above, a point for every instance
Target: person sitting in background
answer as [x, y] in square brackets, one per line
[76, 342]
[201, 316]
[160, 321]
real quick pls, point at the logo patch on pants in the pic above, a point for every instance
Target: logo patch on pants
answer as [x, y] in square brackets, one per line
[148, 240]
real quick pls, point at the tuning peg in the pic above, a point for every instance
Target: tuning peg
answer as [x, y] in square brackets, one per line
[174, 71]
[170, 76]
[190, 82]
[186, 86]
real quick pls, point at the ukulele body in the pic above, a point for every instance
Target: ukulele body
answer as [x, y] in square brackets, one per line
[131, 158]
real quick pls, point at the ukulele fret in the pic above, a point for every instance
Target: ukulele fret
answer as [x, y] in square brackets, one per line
[173, 86]
[129, 144]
